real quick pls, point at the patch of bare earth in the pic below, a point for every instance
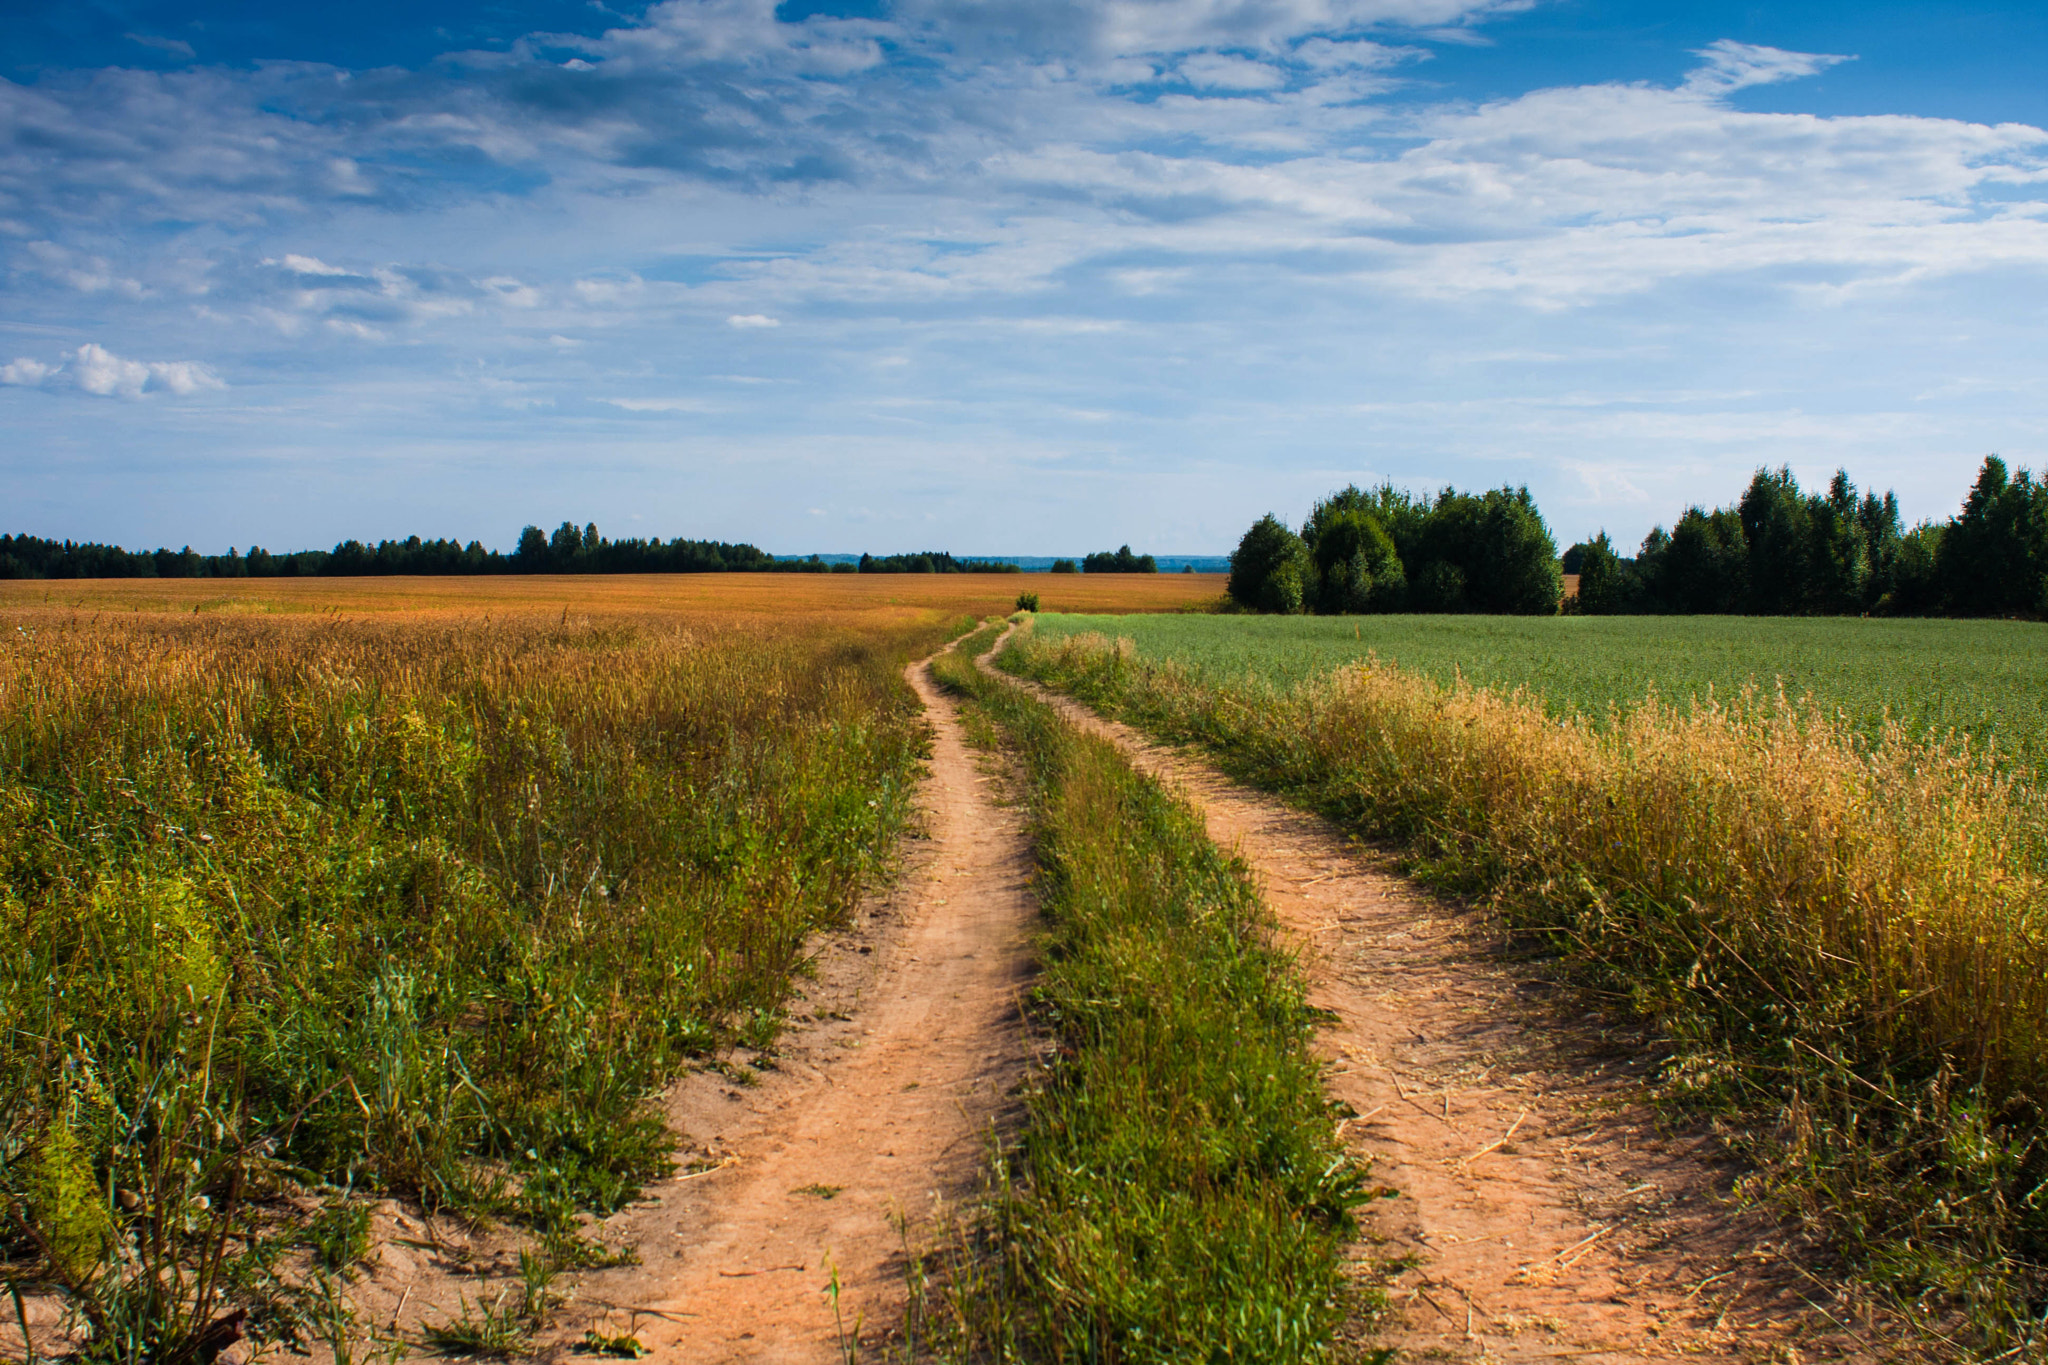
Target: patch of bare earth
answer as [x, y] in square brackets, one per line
[875, 1107]
[1543, 1211]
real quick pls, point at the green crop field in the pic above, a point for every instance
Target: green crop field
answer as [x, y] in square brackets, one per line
[1986, 679]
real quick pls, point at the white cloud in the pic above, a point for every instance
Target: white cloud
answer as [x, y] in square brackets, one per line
[1126, 27]
[25, 371]
[99, 371]
[1129, 216]
[94, 369]
[512, 293]
[1220, 71]
[308, 265]
[1732, 66]
[184, 376]
[360, 331]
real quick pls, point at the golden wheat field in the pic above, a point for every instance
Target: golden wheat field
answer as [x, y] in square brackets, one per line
[872, 598]
[417, 887]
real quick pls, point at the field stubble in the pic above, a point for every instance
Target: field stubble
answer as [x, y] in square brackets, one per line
[1842, 941]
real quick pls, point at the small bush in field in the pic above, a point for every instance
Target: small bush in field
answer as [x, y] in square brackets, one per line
[1027, 601]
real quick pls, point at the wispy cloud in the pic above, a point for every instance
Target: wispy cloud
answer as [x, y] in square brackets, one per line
[176, 47]
[1086, 235]
[1729, 65]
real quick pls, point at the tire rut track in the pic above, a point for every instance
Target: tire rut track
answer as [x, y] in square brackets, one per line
[1543, 1213]
[873, 1113]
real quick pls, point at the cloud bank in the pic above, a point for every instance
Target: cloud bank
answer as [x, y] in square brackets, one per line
[1101, 236]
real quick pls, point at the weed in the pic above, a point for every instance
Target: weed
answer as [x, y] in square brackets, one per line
[339, 1234]
[849, 1342]
[481, 1330]
[620, 1346]
[537, 1297]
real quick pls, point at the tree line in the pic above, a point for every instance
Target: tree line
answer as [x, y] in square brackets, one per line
[1779, 551]
[1387, 550]
[570, 549]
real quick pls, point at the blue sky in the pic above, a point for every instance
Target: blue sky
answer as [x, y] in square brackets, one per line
[1002, 276]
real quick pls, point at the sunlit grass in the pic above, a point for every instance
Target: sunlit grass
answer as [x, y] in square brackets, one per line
[425, 904]
[1842, 940]
[1178, 1193]
[1984, 679]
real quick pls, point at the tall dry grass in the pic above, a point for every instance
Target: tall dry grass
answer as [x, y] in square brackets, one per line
[1843, 942]
[421, 905]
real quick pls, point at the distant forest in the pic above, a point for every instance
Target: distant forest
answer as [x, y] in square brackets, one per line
[1778, 551]
[571, 549]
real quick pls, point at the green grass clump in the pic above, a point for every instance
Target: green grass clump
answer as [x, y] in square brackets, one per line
[1178, 1194]
[1842, 942]
[1987, 680]
[426, 907]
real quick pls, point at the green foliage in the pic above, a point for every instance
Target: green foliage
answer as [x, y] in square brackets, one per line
[1357, 567]
[932, 561]
[1178, 1194]
[1119, 560]
[1782, 552]
[1606, 585]
[1270, 570]
[620, 1346]
[481, 1329]
[1027, 601]
[340, 1234]
[1385, 551]
[1993, 559]
[71, 1220]
[1064, 566]
[1488, 553]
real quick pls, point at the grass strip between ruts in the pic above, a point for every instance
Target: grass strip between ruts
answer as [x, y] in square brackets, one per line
[1178, 1192]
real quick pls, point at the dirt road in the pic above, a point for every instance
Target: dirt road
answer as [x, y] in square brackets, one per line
[873, 1111]
[1541, 1213]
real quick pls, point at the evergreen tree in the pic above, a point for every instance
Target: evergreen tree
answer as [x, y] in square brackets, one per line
[1993, 558]
[1776, 527]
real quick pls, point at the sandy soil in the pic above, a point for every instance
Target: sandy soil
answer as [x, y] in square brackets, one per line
[873, 1112]
[1543, 1213]
[872, 1115]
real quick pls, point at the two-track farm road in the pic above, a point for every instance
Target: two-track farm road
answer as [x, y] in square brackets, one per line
[865, 1118]
[1540, 1214]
